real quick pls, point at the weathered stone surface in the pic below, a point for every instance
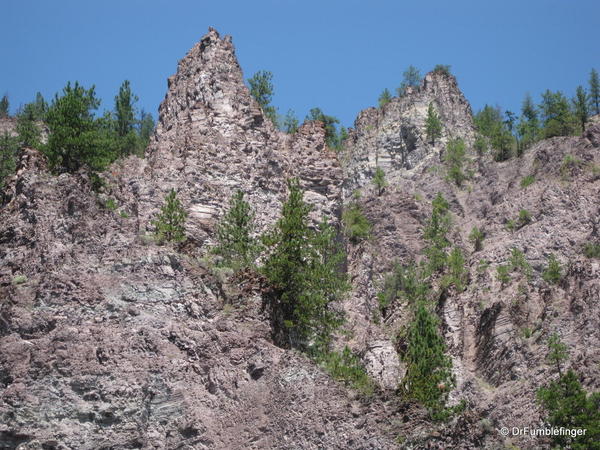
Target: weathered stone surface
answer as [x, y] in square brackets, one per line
[108, 340]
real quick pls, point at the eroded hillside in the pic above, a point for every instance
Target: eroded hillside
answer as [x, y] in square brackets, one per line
[110, 340]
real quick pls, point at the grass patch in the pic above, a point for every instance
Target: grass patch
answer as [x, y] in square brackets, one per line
[346, 367]
[19, 279]
[592, 250]
[527, 181]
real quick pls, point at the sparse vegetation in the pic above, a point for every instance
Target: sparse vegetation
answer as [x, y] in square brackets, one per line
[455, 159]
[503, 274]
[384, 98]
[261, 88]
[356, 226]
[553, 272]
[379, 180]
[476, 237]
[433, 125]
[527, 181]
[519, 263]
[524, 218]
[346, 367]
[19, 279]
[592, 249]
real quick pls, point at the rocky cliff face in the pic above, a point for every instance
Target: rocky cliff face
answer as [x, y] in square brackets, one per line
[394, 137]
[108, 340]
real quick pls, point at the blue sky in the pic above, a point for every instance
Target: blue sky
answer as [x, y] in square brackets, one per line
[338, 55]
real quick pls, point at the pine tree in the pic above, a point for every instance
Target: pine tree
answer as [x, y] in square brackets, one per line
[331, 135]
[146, 128]
[433, 125]
[170, 223]
[411, 77]
[29, 133]
[125, 119]
[234, 234]
[455, 159]
[75, 140]
[594, 92]
[9, 147]
[429, 370]
[528, 127]
[558, 120]
[435, 234]
[290, 122]
[570, 406]
[379, 180]
[261, 88]
[4, 106]
[580, 105]
[304, 269]
[557, 352]
[384, 98]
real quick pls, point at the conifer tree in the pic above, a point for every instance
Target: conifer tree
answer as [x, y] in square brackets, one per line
[384, 98]
[75, 140]
[594, 92]
[125, 119]
[455, 159]
[304, 268]
[329, 122]
[146, 128]
[528, 127]
[435, 234]
[29, 133]
[580, 106]
[433, 125]
[9, 147]
[170, 223]
[261, 88]
[379, 180]
[411, 77]
[290, 122]
[428, 376]
[558, 120]
[4, 106]
[234, 234]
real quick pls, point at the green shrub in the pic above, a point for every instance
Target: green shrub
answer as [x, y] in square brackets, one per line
[110, 204]
[346, 367]
[379, 180]
[170, 223]
[435, 234]
[553, 273]
[524, 218]
[503, 274]
[19, 279]
[510, 225]
[124, 214]
[455, 159]
[592, 250]
[476, 237]
[9, 147]
[481, 145]
[518, 262]
[527, 181]
[405, 281]
[442, 68]
[384, 98]
[356, 226]
[456, 270]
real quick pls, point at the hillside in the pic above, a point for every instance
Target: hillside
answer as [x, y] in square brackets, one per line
[110, 339]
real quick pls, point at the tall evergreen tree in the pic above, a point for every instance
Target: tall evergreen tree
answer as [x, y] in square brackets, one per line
[557, 117]
[580, 107]
[429, 370]
[594, 92]
[4, 106]
[261, 88]
[40, 107]
[74, 140]
[528, 127]
[125, 119]
[433, 125]
[304, 269]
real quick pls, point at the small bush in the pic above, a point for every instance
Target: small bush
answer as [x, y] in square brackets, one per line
[524, 218]
[476, 237]
[346, 367]
[518, 262]
[356, 226]
[510, 225]
[592, 250]
[110, 204]
[455, 159]
[527, 181]
[379, 180]
[19, 279]
[442, 68]
[503, 274]
[553, 273]
[456, 269]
